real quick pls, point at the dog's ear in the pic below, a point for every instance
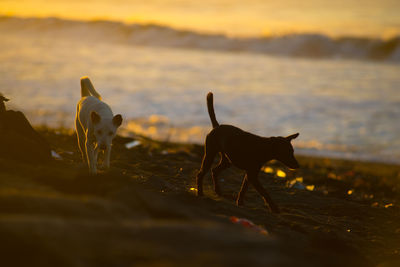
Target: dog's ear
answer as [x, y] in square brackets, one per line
[291, 137]
[95, 117]
[117, 120]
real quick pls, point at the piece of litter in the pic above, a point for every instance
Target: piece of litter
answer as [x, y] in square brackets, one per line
[332, 175]
[389, 205]
[348, 230]
[55, 155]
[299, 179]
[350, 192]
[268, 170]
[132, 144]
[248, 224]
[297, 185]
[69, 152]
[280, 173]
[310, 187]
[193, 189]
[375, 204]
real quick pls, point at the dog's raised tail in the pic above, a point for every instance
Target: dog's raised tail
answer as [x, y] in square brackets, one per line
[87, 88]
[210, 107]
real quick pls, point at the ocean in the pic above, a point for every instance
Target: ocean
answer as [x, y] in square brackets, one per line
[342, 95]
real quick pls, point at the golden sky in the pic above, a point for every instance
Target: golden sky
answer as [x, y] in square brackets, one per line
[233, 17]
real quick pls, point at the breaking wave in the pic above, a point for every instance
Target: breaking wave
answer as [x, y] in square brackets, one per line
[294, 45]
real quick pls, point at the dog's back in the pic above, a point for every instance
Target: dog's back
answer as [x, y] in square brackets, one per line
[91, 101]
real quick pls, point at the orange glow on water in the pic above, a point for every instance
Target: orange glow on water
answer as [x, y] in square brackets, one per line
[231, 17]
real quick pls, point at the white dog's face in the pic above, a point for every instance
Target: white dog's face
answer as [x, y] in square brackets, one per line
[105, 129]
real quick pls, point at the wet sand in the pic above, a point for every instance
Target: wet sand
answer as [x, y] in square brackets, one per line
[144, 211]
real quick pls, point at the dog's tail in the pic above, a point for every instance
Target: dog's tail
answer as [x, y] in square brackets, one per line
[87, 88]
[210, 107]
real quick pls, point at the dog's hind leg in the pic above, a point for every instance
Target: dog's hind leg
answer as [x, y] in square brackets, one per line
[243, 190]
[253, 179]
[209, 155]
[222, 165]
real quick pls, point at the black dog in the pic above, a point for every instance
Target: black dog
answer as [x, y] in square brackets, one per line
[244, 150]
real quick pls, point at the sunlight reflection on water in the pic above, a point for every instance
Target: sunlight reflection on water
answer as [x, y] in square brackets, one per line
[341, 108]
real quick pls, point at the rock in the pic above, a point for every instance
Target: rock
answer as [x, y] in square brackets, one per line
[18, 139]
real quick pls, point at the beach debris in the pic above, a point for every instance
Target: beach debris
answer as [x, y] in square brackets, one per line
[280, 173]
[296, 185]
[193, 189]
[388, 205]
[310, 187]
[331, 175]
[348, 230]
[132, 144]
[299, 179]
[248, 224]
[267, 169]
[349, 192]
[371, 196]
[56, 155]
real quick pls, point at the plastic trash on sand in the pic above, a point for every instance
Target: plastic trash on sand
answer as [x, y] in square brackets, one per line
[296, 185]
[132, 144]
[299, 179]
[248, 224]
[310, 187]
[55, 155]
[280, 174]
[349, 192]
[268, 170]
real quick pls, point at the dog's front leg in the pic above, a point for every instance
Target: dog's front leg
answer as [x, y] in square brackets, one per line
[91, 153]
[252, 176]
[107, 154]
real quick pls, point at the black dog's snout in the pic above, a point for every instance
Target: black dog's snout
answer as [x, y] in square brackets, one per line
[295, 165]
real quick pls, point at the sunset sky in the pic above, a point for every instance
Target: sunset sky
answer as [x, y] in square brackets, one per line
[232, 17]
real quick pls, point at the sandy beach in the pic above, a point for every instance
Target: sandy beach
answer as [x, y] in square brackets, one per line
[145, 211]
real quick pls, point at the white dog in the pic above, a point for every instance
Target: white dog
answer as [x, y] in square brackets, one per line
[96, 126]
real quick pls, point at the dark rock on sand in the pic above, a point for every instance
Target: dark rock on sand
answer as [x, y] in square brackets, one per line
[18, 139]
